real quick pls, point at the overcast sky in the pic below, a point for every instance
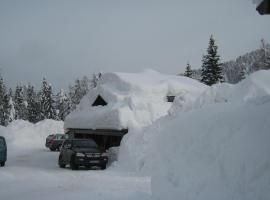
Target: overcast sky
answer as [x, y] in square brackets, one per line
[63, 39]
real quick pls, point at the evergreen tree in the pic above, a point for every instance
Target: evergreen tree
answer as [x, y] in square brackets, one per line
[3, 104]
[47, 102]
[63, 105]
[95, 79]
[242, 74]
[211, 67]
[79, 90]
[11, 108]
[20, 104]
[188, 72]
[32, 105]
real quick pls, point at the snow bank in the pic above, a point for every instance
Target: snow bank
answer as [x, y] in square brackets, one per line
[134, 100]
[254, 89]
[216, 147]
[23, 134]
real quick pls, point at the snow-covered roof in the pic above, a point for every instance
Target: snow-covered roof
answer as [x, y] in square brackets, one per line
[134, 100]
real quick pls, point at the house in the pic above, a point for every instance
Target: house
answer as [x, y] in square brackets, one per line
[123, 101]
[264, 7]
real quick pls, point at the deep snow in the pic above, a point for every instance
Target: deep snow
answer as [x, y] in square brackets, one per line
[32, 172]
[212, 146]
[134, 100]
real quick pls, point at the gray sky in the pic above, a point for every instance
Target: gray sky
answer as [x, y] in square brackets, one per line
[63, 40]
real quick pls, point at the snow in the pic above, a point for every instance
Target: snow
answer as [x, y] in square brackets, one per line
[214, 147]
[212, 143]
[134, 100]
[32, 172]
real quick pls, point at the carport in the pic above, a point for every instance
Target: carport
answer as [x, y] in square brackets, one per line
[105, 138]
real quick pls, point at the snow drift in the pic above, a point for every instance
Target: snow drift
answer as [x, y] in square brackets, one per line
[23, 134]
[217, 147]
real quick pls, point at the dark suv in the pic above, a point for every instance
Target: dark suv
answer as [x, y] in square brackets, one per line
[82, 152]
[55, 141]
[3, 151]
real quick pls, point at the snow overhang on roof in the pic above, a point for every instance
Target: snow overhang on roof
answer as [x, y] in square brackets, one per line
[133, 100]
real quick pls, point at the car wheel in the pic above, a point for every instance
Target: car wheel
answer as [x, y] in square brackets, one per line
[60, 162]
[103, 167]
[73, 165]
[52, 149]
[2, 164]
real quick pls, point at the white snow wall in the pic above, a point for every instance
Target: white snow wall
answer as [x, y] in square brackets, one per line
[218, 148]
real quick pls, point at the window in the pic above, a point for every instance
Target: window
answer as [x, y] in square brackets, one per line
[170, 98]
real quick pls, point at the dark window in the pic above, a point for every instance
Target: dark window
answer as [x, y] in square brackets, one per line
[99, 101]
[170, 98]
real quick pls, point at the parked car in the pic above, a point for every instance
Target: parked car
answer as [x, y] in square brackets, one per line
[54, 141]
[82, 152]
[3, 151]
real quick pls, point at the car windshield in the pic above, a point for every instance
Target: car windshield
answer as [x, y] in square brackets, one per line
[84, 143]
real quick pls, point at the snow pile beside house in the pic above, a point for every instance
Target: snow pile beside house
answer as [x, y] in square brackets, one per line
[217, 149]
[133, 100]
[23, 134]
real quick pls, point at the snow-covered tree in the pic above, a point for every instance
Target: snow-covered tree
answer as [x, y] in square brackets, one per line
[11, 108]
[20, 104]
[211, 66]
[94, 80]
[33, 108]
[188, 71]
[47, 102]
[248, 63]
[63, 104]
[80, 88]
[4, 114]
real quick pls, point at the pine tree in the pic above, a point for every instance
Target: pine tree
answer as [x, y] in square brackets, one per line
[95, 79]
[32, 108]
[20, 104]
[79, 90]
[188, 72]
[11, 108]
[47, 102]
[242, 74]
[3, 104]
[63, 105]
[211, 67]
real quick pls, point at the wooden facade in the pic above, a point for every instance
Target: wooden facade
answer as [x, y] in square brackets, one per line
[264, 7]
[105, 138]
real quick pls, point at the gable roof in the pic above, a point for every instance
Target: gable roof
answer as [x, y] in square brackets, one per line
[133, 100]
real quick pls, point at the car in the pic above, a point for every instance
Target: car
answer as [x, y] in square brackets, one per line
[54, 141]
[82, 152]
[3, 151]
[48, 140]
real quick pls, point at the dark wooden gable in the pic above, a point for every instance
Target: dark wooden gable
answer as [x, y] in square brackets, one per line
[170, 98]
[264, 7]
[99, 101]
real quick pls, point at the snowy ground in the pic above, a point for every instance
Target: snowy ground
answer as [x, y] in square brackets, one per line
[213, 147]
[33, 173]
